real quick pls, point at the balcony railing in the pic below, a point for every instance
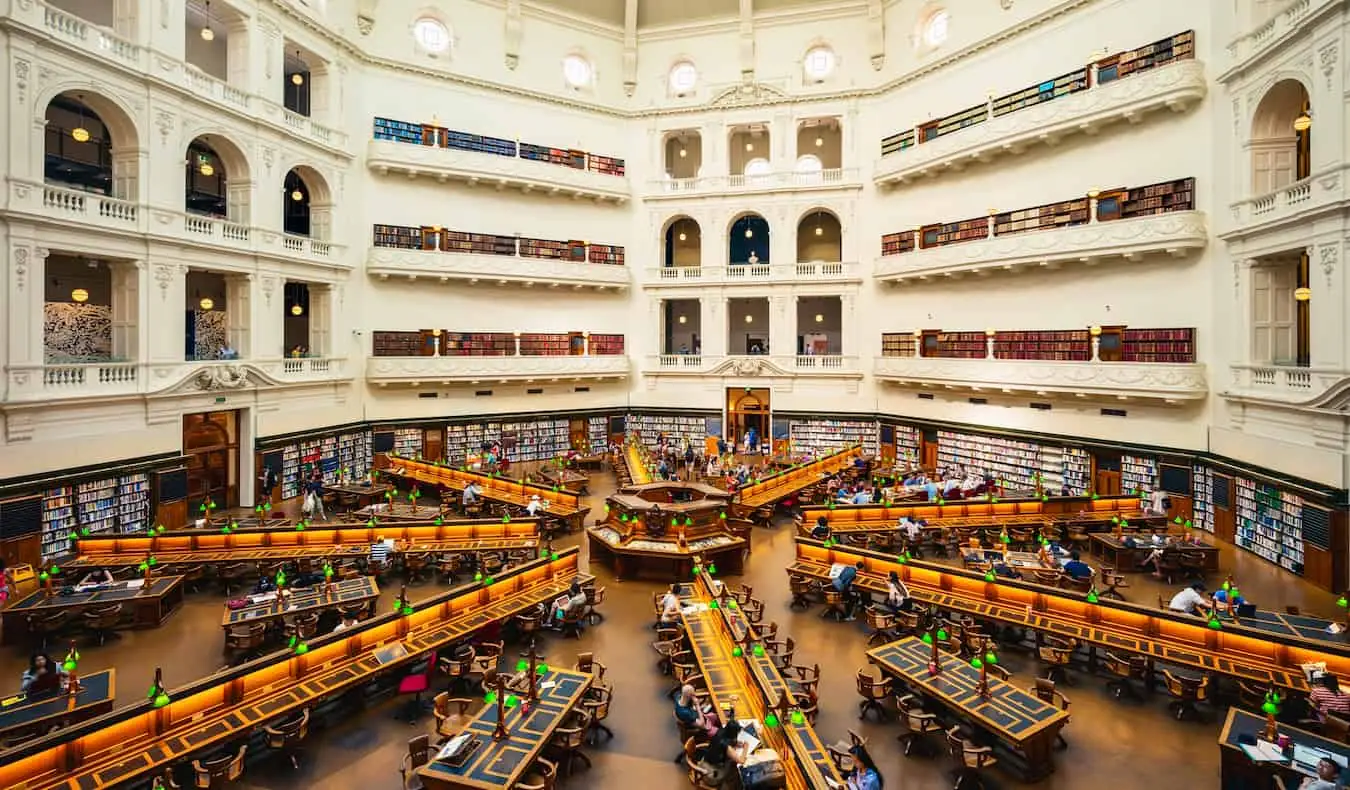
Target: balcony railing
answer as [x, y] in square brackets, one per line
[90, 210]
[415, 371]
[1167, 382]
[386, 262]
[27, 383]
[1286, 384]
[475, 167]
[1259, 41]
[831, 178]
[1322, 191]
[744, 366]
[756, 273]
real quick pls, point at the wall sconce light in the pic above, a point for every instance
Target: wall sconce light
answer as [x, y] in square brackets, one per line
[749, 319]
[435, 333]
[79, 296]
[1302, 294]
[206, 303]
[820, 319]
[1303, 122]
[517, 334]
[684, 319]
[297, 310]
[1095, 331]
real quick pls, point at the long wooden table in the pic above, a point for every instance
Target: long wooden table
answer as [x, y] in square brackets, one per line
[145, 604]
[773, 489]
[751, 681]
[1238, 772]
[498, 765]
[362, 590]
[1257, 655]
[563, 505]
[1057, 512]
[363, 493]
[23, 713]
[565, 478]
[635, 462]
[1017, 718]
[1113, 551]
[136, 741]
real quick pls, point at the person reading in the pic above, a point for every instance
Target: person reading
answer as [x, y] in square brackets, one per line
[687, 710]
[723, 754]
[1076, 568]
[1327, 698]
[865, 775]
[670, 605]
[96, 577]
[821, 530]
[1191, 600]
[843, 583]
[43, 675]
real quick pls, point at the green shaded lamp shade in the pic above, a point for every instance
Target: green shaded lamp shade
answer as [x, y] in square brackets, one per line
[522, 665]
[771, 720]
[976, 663]
[490, 697]
[161, 699]
[712, 569]
[928, 639]
[1342, 602]
[989, 576]
[512, 700]
[541, 670]
[478, 577]
[758, 650]
[737, 651]
[712, 604]
[991, 658]
[942, 635]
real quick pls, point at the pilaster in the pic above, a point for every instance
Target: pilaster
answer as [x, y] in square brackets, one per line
[713, 323]
[167, 305]
[239, 315]
[126, 305]
[782, 325]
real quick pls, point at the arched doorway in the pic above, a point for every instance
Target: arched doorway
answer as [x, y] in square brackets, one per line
[307, 203]
[1281, 137]
[748, 409]
[819, 237]
[90, 144]
[684, 243]
[216, 179]
[295, 214]
[211, 444]
[748, 240]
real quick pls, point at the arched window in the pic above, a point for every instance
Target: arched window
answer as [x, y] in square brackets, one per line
[809, 163]
[758, 168]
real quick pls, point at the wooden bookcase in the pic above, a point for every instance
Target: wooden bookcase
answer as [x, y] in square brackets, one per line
[898, 142]
[478, 243]
[1063, 214]
[897, 344]
[606, 345]
[955, 122]
[402, 344]
[608, 165]
[1062, 346]
[1132, 61]
[1074, 81]
[539, 344]
[567, 157]
[607, 254]
[961, 345]
[1158, 345]
[478, 344]
[940, 235]
[897, 243]
[398, 237]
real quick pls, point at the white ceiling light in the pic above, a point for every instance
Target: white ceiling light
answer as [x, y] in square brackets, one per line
[819, 62]
[820, 141]
[682, 236]
[683, 77]
[749, 233]
[577, 71]
[207, 33]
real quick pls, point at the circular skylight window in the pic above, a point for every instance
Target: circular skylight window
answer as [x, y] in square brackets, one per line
[577, 71]
[819, 62]
[683, 77]
[431, 35]
[935, 28]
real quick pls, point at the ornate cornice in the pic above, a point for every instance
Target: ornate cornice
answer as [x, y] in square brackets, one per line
[489, 170]
[385, 371]
[1157, 381]
[493, 269]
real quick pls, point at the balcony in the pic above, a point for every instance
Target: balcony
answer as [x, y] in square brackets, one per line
[431, 370]
[484, 169]
[1167, 382]
[77, 209]
[1263, 40]
[1175, 233]
[1281, 214]
[45, 383]
[766, 367]
[1175, 86]
[753, 274]
[105, 46]
[386, 262]
[1287, 385]
[792, 181]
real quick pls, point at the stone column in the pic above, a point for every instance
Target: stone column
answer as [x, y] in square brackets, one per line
[783, 326]
[848, 325]
[784, 150]
[240, 54]
[126, 307]
[239, 317]
[320, 319]
[166, 304]
[27, 276]
[712, 150]
[1326, 307]
[713, 325]
[1240, 345]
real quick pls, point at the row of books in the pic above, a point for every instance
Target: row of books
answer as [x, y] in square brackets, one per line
[345, 456]
[432, 237]
[1154, 346]
[823, 437]
[1269, 523]
[678, 427]
[118, 504]
[440, 137]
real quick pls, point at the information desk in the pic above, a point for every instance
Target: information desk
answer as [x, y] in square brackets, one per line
[750, 686]
[360, 493]
[1260, 657]
[1237, 771]
[25, 713]
[633, 556]
[563, 505]
[1113, 551]
[134, 742]
[144, 604]
[264, 608]
[498, 765]
[565, 478]
[775, 488]
[1017, 718]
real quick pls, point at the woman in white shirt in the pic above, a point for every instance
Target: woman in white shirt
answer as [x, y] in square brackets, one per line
[670, 605]
[896, 593]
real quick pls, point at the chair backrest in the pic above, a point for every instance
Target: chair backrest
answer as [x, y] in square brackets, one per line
[419, 751]
[1336, 728]
[1045, 689]
[431, 666]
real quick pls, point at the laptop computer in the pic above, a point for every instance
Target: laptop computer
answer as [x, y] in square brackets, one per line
[390, 653]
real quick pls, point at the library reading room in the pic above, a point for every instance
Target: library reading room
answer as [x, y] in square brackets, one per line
[881, 395]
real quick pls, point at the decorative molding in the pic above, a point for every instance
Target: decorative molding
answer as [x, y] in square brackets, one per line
[164, 122]
[512, 36]
[415, 371]
[488, 170]
[268, 285]
[748, 94]
[365, 24]
[1176, 234]
[21, 68]
[779, 368]
[1153, 381]
[20, 267]
[385, 263]
[1176, 86]
[164, 274]
[1327, 256]
[1326, 56]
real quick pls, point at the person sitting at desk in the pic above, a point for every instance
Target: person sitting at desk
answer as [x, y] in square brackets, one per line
[843, 583]
[573, 601]
[43, 675]
[821, 530]
[1076, 568]
[349, 620]
[1328, 777]
[470, 495]
[1224, 599]
[687, 711]
[536, 504]
[1191, 600]
[97, 576]
[863, 497]
[910, 529]
[897, 595]
[865, 775]
[723, 754]
[670, 605]
[1326, 697]
[1155, 557]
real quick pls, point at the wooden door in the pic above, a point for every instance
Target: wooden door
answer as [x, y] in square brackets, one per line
[930, 455]
[1273, 163]
[433, 444]
[1273, 314]
[578, 434]
[1107, 483]
[1225, 520]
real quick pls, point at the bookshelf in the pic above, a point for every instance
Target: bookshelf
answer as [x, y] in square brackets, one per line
[897, 344]
[1061, 346]
[822, 437]
[679, 427]
[597, 434]
[1040, 93]
[397, 344]
[606, 165]
[133, 502]
[961, 345]
[552, 250]
[953, 123]
[567, 157]
[354, 454]
[408, 442]
[1051, 476]
[1064, 214]
[477, 143]
[1202, 497]
[398, 131]
[897, 243]
[478, 243]
[1132, 61]
[398, 237]
[535, 344]
[898, 142]
[461, 441]
[1270, 524]
[96, 505]
[1138, 474]
[1016, 464]
[1146, 201]
[1175, 346]
[290, 472]
[535, 440]
[1077, 471]
[908, 440]
[478, 344]
[942, 234]
[606, 345]
[608, 254]
[58, 521]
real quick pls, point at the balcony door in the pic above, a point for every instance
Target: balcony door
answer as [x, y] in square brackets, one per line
[748, 408]
[211, 444]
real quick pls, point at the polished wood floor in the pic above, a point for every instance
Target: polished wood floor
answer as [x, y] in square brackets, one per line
[1128, 746]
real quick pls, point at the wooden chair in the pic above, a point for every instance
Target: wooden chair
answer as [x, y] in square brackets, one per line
[452, 714]
[487, 656]
[571, 625]
[882, 623]
[304, 626]
[1124, 671]
[700, 778]
[594, 597]
[1113, 584]
[1187, 693]
[596, 706]
[971, 760]
[802, 589]
[920, 728]
[781, 651]
[44, 627]
[530, 623]
[1081, 586]
[287, 736]
[219, 771]
[742, 593]
[1055, 654]
[419, 754]
[568, 741]
[459, 665]
[1050, 577]
[753, 610]
[234, 574]
[834, 604]
[842, 753]
[1046, 691]
[241, 641]
[874, 693]
[102, 621]
[669, 641]
[543, 775]
[414, 566]
[804, 679]
[586, 663]
[1335, 728]
[997, 671]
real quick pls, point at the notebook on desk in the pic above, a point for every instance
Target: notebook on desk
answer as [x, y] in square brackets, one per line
[1306, 759]
[389, 653]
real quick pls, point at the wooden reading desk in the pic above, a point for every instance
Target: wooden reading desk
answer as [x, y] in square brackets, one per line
[771, 490]
[146, 604]
[563, 505]
[1237, 771]
[498, 765]
[1057, 512]
[137, 741]
[1113, 551]
[362, 494]
[1017, 718]
[24, 713]
[749, 685]
[1262, 656]
[565, 478]
[634, 459]
[264, 608]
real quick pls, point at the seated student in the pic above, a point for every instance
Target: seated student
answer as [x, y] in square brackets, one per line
[1155, 557]
[865, 775]
[863, 497]
[723, 754]
[897, 595]
[844, 584]
[1222, 599]
[1076, 568]
[670, 605]
[821, 530]
[97, 576]
[564, 605]
[1326, 697]
[687, 710]
[1191, 600]
[536, 504]
[1328, 778]
[43, 675]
